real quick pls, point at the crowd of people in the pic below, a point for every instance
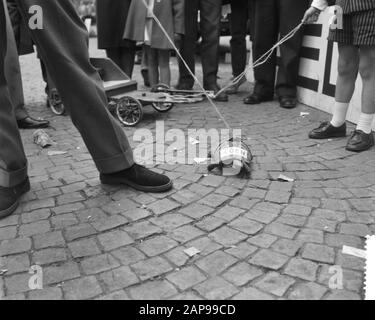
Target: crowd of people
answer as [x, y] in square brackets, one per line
[122, 25]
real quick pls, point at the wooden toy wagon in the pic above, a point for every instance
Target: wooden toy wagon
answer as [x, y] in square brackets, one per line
[126, 103]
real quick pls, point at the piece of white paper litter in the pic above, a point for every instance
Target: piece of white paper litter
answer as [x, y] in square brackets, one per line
[191, 252]
[56, 153]
[354, 252]
[370, 268]
[304, 114]
[200, 160]
[284, 178]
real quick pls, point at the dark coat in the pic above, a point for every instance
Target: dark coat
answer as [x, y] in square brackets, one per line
[21, 32]
[171, 15]
[111, 21]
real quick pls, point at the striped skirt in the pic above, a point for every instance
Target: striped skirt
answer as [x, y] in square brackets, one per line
[358, 29]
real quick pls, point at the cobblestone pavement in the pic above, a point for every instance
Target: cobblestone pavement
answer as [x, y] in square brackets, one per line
[258, 238]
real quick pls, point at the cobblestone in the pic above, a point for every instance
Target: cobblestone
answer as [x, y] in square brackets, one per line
[216, 289]
[269, 259]
[84, 288]
[275, 283]
[319, 253]
[301, 268]
[216, 263]
[186, 278]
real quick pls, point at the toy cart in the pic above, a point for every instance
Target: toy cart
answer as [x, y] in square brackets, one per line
[126, 102]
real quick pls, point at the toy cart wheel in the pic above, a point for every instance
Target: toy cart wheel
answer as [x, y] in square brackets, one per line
[129, 111]
[163, 107]
[55, 103]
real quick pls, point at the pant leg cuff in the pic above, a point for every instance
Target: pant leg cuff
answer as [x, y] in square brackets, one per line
[116, 163]
[13, 178]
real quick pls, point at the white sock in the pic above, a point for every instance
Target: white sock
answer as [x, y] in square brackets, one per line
[365, 122]
[340, 110]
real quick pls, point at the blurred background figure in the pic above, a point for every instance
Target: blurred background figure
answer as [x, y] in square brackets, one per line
[112, 16]
[271, 19]
[141, 27]
[209, 27]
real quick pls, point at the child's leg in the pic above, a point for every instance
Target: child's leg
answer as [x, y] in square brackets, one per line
[348, 65]
[165, 71]
[367, 71]
[153, 65]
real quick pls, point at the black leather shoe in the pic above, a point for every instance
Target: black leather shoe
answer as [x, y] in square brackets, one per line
[326, 131]
[31, 123]
[257, 99]
[288, 102]
[360, 141]
[184, 86]
[139, 178]
[9, 198]
[222, 97]
[235, 87]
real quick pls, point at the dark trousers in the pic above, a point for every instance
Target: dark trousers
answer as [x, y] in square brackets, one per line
[124, 57]
[239, 24]
[210, 13]
[274, 17]
[63, 46]
[13, 72]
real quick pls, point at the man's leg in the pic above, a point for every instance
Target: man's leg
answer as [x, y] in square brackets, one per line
[124, 57]
[239, 28]
[13, 73]
[63, 47]
[239, 19]
[266, 30]
[13, 163]
[210, 29]
[14, 80]
[290, 15]
[188, 45]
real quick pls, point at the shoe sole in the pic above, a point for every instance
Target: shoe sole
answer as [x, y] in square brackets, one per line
[138, 187]
[44, 126]
[258, 102]
[7, 212]
[330, 137]
[359, 150]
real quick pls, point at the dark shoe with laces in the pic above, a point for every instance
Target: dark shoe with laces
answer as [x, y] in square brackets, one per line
[31, 123]
[10, 198]
[288, 102]
[139, 178]
[222, 97]
[233, 89]
[360, 141]
[326, 131]
[257, 99]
